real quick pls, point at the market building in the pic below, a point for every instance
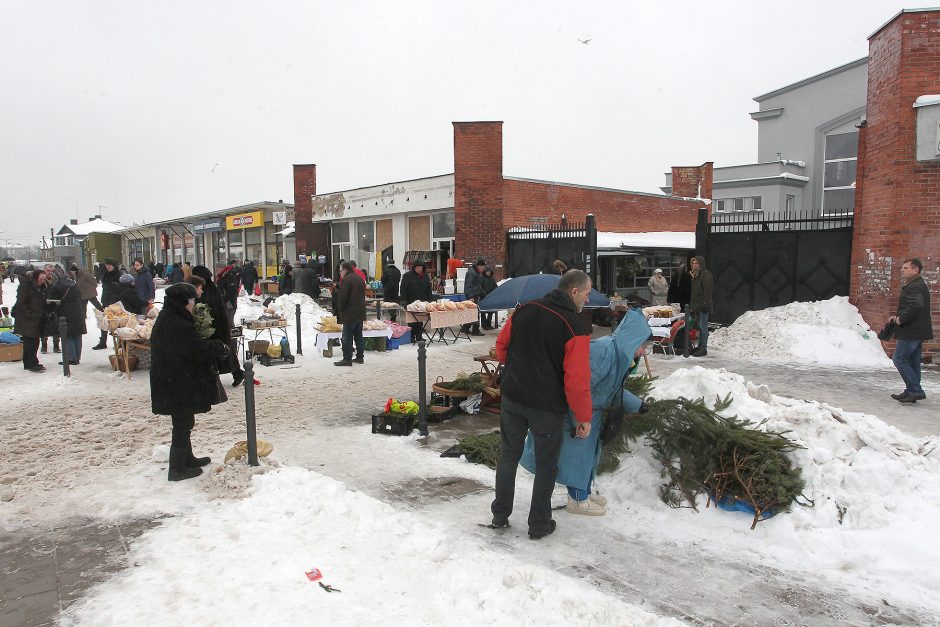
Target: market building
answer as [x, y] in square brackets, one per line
[247, 233]
[467, 213]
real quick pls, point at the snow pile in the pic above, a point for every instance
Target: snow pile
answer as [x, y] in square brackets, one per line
[310, 311]
[385, 563]
[876, 493]
[828, 333]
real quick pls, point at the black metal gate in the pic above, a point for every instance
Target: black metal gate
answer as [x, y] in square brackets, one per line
[759, 263]
[533, 249]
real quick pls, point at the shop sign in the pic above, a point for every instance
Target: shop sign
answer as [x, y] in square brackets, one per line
[255, 219]
[209, 226]
[279, 218]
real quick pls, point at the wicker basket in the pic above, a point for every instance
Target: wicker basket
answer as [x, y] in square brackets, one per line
[118, 364]
[258, 347]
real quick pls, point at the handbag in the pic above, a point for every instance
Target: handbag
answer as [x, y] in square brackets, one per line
[887, 331]
[614, 416]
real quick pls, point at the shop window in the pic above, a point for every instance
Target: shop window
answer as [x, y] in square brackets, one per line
[839, 173]
[339, 232]
[365, 235]
[442, 225]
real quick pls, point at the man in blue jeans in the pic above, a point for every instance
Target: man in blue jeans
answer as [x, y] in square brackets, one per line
[700, 303]
[913, 327]
[351, 312]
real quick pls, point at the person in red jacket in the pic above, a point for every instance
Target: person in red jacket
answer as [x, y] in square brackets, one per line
[355, 267]
[545, 347]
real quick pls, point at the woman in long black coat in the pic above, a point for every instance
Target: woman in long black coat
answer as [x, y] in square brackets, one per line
[109, 282]
[212, 297]
[183, 379]
[70, 306]
[29, 315]
[415, 285]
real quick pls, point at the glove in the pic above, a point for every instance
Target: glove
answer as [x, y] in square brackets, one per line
[222, 350]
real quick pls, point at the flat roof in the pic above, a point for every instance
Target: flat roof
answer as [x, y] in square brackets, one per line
[210, 214]
[812, 79]
[602, 189]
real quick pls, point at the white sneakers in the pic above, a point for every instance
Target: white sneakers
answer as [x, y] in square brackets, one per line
[587, 507]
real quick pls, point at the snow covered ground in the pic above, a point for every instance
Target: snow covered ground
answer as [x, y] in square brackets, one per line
[335, 497]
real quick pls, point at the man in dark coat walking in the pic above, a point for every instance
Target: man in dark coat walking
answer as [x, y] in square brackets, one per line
[391, 279]
[473, 290]
[913, 327]
[351, 313]
[285, 283]
[183, 380]
[700, 302]
[249, 277]
[415, 285]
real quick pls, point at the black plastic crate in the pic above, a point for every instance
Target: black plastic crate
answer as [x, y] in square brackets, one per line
[393, 424]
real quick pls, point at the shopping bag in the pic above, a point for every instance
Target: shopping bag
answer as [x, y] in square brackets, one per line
[257, 290]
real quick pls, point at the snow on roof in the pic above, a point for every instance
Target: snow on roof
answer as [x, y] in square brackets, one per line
[287, 230]
[929, 99]
[95, 226]
[659, 239]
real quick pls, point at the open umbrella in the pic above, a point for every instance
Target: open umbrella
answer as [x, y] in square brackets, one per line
[522, 289]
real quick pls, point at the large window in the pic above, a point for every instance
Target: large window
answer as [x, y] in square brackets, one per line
[442, 225]
[839, 173]
[365, 235]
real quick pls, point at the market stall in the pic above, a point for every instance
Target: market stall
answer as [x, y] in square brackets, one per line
[130, 333]
[329, 333]
[443, 318]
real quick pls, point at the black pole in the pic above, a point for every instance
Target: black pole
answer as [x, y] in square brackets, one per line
[63, 334]
[300, 348]
[378, 310]
[422, 389]
[688, 331]
[250, 413]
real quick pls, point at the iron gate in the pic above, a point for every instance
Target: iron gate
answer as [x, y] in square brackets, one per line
[533, 249]
[759, 263]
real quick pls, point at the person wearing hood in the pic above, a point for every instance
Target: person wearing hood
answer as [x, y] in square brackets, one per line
[143, 283]
[416, 285]
[545, 345]
[487, 285]
[700, 302]
[109, 283]
[68, 297]
[88, 286]
[222, 330]
[612, 358]
[391, 280]
[914, 326]
[183, 379]
[129, 297]
[285, 282]
[29, 316]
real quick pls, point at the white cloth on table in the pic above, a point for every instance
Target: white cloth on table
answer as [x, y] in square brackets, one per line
[443, 319]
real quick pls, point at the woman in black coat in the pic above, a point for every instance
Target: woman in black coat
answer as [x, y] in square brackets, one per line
[415, 285]
[285, 282]
[183, 380]
[487, 285]
[109, 284]
[29, 315]
[212, 297]
[70, 306]
[128, 297]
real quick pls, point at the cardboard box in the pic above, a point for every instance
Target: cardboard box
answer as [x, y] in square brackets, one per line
[11, 352]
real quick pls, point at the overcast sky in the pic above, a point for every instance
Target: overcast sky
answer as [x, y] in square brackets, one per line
[155, 110]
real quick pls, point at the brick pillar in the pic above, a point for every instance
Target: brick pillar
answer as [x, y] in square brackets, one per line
[897, 207]
[309, 236]
[693, 181]
[478, 193]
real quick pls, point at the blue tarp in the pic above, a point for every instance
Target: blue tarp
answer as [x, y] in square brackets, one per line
[522, 289]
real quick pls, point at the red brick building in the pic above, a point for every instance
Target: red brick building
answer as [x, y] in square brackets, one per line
[485, 205]
[897, 212]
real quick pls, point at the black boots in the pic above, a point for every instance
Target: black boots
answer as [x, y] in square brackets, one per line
[102, 343]
[195, 462]
[179, 469]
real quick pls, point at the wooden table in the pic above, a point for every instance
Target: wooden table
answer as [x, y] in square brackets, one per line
[125, 347]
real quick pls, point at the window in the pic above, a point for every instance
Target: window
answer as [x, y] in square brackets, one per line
[340, 231]
[755, 203]
[365, 235]
[721, 205]
[739, 204]
[442, 225]
[791, 204]
[839, 172]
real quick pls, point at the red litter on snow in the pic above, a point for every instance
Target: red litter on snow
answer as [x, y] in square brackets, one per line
[314, 574]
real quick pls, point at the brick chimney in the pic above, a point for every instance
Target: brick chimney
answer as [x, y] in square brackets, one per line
[693, 181]
[897, 200]
[478, 192]
[310, 237]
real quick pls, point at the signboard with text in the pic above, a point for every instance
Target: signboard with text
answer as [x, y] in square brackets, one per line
[255, 219]
[209, 226]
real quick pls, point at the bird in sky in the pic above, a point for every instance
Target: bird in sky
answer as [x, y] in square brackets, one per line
[214, 167]
[585, 41]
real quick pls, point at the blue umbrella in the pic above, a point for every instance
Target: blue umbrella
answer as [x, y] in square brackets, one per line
[522, 289]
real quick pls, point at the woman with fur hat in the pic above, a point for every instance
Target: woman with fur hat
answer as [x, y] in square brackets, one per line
[29, 314]
[127, 295]
[183, 379]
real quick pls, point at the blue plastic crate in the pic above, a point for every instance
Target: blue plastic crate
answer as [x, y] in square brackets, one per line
[392, 344]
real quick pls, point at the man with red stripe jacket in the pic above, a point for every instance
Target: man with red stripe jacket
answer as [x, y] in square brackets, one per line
[545, 348]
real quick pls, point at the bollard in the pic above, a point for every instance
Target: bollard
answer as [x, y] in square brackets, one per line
[250, 413]
[688, 332]
[63, 342]
[300, 347]
[422, 389]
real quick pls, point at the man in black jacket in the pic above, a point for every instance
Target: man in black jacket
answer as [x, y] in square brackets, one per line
[109, 296]
[913, 327]
[391, 278]
[415, 285]
[546, 347]
[700, 302]
[351, 313]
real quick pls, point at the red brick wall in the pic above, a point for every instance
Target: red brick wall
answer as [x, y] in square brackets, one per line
[693, 181]
[615, 211]
[310, 237]
[897, 212]
[478, 192]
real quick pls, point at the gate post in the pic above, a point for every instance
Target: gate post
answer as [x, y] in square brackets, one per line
[590, 228]
[701, 233]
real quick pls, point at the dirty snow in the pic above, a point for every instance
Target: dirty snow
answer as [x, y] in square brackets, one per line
[828, 333]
